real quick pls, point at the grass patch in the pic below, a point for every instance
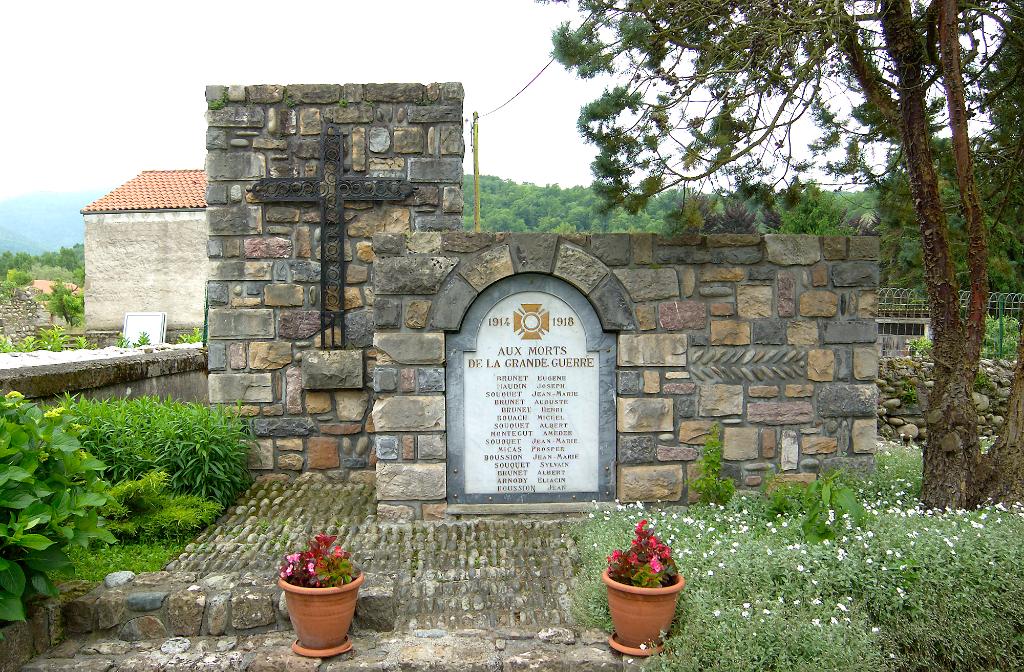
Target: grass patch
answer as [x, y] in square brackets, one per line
[911, 590]
[98, 560]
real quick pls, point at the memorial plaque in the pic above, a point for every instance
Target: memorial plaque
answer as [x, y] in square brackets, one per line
[530, 383]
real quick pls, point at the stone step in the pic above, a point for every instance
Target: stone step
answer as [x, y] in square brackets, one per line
[554, 650]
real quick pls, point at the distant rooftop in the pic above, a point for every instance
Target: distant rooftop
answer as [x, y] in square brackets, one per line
[155, 190]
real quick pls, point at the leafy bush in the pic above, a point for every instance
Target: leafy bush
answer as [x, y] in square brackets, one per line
[1011, 337]
[143, 509]
[142, 340]
[194, 336]
[908, 393]
[50, 494]
[203, 450]
[920, 347]
[711, 486]
[63, 303]
[982, 383]
[912, 590]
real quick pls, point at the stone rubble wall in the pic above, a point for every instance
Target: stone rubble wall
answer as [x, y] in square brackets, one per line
[23, 315]
[903, 385]
[772, 337]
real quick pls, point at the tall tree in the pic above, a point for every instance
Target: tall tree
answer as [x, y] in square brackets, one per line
[715, 89]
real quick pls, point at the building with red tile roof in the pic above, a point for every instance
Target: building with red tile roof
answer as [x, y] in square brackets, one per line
[146, 251]
[155, 190]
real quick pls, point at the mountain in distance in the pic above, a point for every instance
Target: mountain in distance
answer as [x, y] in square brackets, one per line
[43, 221]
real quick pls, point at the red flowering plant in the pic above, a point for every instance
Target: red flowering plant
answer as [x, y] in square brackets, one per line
[319, 566]
[647, 563]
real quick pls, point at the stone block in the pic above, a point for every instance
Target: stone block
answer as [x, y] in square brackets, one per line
[377, 604]
[768, 332]
[768, 443]
[780, 412]
[754, 301]
[141, 628]
[819, 445]
[763, 391]
[677, 453]
[435, 170]
[818, 303]
[802, 390]
[739, 443]
[682, 315]
[488, 267]
[451, 305]
[234, 166]
[802, 332]
[185, 612]
[821, 365]
[628, 382]
[649, 484]
[409, 414]
[865, 363]
[398, 481]
[332, 369]
[649, 284]
[251, 608]
[792, 250]
[613, 308]
[864, 247]
[236, 116]
[635, 449]
[786, 288]
[411, 275]
[261, 455]
[435, 113]
[234, 323]
[322, 452]
[790, 450]
[718, 400]
[730, 332]
[834, 246]
[851, 331]
[430, 380]
[534, 252]
[298, 324]
[855, 274]
[386, 447]
[431, 447]
[269, 354]
[646, 317]
[838, 400]
[351, 404]
[228, 388]
[411, 348]
[283, 427]
[611, 248]
[235, 220]
[722, 274]
[652, 350]
[579, 267]
[424, 242]
[639, 414]
[865, 436]
[276, 294]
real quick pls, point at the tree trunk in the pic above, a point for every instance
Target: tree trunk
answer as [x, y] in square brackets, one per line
[977, 248]
[1000, 475]
[952, 447]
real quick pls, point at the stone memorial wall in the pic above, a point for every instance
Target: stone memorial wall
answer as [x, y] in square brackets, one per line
[513, 372]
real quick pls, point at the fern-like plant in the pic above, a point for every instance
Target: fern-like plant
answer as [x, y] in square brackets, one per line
[713, 489]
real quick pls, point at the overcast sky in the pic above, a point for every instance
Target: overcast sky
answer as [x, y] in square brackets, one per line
[98, 91]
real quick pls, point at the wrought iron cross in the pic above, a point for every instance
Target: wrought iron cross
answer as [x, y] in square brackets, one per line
[330, 188]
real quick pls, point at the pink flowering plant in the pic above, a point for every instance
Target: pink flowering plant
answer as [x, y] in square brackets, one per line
[322, 565]
[647, 563]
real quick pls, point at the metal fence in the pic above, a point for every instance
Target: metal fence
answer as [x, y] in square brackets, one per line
[904, 315]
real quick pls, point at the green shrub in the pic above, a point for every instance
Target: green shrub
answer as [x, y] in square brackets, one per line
[982, 383]
[712, 487]
[920, 347]
[144, 509]
[908, 393]
[990, 348]
[50, 494]
[194, 336]
[912, 590]
[203, 450]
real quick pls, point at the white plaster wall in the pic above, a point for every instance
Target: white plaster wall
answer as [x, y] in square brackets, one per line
[145, 262]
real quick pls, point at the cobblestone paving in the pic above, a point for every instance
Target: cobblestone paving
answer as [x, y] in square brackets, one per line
[453, 575]
[558, 650]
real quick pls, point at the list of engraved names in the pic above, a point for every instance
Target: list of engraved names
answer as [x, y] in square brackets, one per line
[531, 401]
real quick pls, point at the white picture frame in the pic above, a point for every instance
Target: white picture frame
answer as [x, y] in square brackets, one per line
[153, 324]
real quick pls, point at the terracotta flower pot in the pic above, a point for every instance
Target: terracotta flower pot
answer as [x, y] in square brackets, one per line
[640, 615]
[321, 617]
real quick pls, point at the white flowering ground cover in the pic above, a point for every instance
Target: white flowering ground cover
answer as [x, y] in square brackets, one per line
[912, 590]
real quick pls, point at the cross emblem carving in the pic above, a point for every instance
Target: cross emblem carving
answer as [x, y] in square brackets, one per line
[331, 188]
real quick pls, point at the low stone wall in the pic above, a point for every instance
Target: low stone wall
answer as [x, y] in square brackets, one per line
[22, 316]
[903, 385]
[178, 373]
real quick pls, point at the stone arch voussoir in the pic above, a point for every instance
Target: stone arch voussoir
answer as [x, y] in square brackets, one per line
[544, 254]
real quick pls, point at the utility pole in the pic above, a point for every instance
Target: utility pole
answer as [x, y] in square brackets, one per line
[476, 172]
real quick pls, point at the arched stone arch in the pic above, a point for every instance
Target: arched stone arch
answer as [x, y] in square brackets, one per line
[544, 254]
[565, 341]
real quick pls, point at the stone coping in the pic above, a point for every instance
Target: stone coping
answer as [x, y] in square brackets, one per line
[59, 372]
